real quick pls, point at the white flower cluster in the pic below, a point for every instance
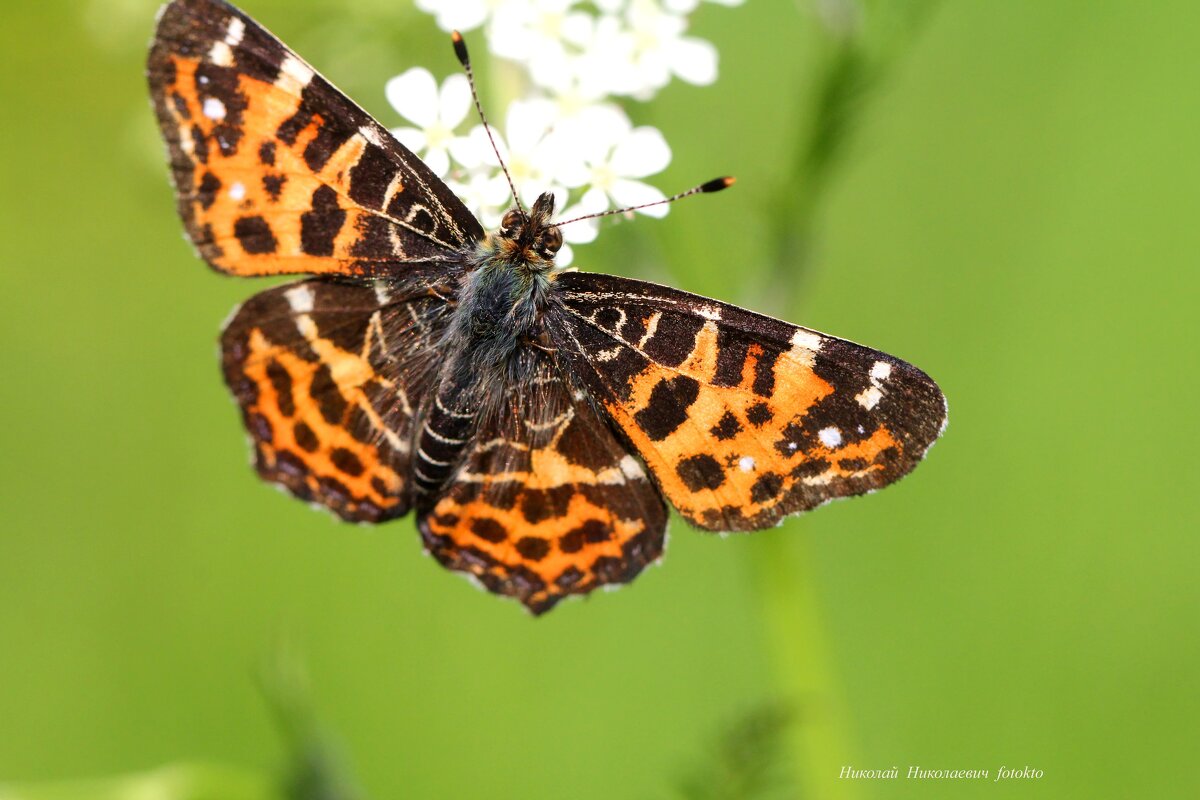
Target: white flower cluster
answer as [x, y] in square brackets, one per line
[563, 132]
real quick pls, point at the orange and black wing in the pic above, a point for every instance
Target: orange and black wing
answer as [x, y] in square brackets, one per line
[547, 502]
[742, 419]
[276, 171]
[328, 376]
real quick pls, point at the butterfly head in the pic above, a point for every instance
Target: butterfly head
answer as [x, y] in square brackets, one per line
[529, 237]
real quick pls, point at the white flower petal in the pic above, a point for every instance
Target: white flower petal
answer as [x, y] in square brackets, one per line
[578, 28]
[412, 138]
[468, 151]
[461, 15]
[693, 60]
[414, 95]
[594, 200]
[643, 152]
[594, 130]
[527, 122]
[454, 100]
[581, 232]
[634, 193]
[565, 256]
[437, 161]
[482, 146]
[573, 174]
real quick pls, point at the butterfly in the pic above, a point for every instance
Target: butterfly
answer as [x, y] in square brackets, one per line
[536, 420]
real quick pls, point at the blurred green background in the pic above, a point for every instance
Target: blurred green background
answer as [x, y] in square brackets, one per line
[1014, 210]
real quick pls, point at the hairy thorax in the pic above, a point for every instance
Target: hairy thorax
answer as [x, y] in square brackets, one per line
[503, 296]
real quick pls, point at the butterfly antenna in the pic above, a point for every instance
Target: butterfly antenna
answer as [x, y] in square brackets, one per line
[715, 185]
[460, 50]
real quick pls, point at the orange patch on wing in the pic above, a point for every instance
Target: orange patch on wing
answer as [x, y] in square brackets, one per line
[305, 451]
[745, 472]
[232, 194]
[568, 553]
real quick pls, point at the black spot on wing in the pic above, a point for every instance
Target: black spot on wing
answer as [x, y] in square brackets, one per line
[329, 399]
[206, 192]
[733, 348]
[667, 407]
[700, 472]
[489, 530]
[281, 382]
[332, 134]
[371, 176]
[766, 487]
[727, 427]
[254, 235]
[533, 548]
[273, 185]
[305, 437]
[759, 414]
[593, 531]
[538, 505]
[674, 339]
[346, 461]
[320, 226]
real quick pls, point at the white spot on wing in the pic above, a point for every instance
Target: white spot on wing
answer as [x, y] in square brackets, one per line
[235, 32]
[221, 54]
[746, 463]
[300, 298]
[186, 143]
[806, 340]
[294, 75]
[709, 312]
[214, 108]
[381, 292]
[237, 191]
[869, 398]
[371, 135]
[631, 468]
[830, 437]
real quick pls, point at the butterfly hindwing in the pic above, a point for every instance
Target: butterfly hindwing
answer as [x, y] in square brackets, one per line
[743, 419]
[276, 171]
[328, 376]
[547, 503]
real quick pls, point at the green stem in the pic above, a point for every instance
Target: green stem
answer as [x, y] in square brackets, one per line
[798, 647]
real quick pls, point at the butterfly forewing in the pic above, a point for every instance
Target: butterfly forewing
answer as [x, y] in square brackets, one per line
[742, 419]
[277, 171]
[547, 503]
[328, 376]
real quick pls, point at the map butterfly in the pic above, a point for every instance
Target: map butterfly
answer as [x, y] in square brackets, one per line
[536, 420]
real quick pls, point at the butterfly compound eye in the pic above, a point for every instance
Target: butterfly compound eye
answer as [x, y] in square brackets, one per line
[508, 225]
[552, 242]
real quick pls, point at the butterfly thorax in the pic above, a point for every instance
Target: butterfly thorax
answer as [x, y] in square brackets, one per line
[505, 291]
[486, 350]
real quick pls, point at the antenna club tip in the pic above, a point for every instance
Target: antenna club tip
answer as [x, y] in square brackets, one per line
[717, 184]
[460, 48]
